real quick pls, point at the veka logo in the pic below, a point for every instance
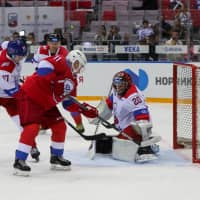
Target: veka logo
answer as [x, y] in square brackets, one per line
[141, 80]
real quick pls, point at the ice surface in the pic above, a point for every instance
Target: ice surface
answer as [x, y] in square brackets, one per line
[171, 177]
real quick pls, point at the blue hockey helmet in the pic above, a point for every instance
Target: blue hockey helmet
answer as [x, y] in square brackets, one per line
[17, 47]
[53, 37]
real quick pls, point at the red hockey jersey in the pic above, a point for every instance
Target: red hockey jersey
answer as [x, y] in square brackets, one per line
[44, 52]
[52, 82]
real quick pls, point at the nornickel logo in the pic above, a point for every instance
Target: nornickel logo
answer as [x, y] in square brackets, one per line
[141, 80]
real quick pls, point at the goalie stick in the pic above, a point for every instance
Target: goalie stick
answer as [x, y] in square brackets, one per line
[86, 137]
[92, 147]
[84, 108]
[144, 143]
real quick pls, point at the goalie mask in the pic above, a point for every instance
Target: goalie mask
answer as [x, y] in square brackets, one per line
[77, 61]
[121, 82]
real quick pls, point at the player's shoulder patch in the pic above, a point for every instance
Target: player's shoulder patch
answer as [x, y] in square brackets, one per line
[68, 85]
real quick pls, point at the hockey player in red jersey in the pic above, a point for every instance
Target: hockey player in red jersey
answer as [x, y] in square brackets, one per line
[50, 84]
[54, 47]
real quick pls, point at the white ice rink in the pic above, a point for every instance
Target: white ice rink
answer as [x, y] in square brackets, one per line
[171, 177]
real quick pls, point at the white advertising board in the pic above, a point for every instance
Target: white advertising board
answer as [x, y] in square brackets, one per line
[154, 79]
[196, 49]
[171, 49]
[136, 49]
[92, 49]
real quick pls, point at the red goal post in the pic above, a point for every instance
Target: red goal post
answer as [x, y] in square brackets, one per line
[186, 108]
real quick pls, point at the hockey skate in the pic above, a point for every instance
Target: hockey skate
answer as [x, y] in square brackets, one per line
[59, 163]
[35, 153]
[21, 168]
[145, 154]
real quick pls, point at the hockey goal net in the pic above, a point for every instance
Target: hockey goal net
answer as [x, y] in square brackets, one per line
[186, 108]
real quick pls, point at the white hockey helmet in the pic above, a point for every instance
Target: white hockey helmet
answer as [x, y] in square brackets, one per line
[77, 60]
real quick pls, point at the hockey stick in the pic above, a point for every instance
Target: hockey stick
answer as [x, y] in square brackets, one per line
[86, 137]
[144, 143]
[92, 147]
[152, 140]
[106, 123]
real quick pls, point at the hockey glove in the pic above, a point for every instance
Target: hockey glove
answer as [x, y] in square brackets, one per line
[13, 92]
[88, 110]
[70, 106]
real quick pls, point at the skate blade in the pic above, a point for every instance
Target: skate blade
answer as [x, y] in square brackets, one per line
[145, 158]
[18, 172]
[60, 168]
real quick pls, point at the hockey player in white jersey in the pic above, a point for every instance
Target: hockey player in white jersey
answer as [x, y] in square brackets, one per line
[10, 70]
[132, 118]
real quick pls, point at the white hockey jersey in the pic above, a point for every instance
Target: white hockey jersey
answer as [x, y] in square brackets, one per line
[129, 108]
[9, 75]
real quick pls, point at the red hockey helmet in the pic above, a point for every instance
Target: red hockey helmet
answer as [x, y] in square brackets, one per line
[121, 82]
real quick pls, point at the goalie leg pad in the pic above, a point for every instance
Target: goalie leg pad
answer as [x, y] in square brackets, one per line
[144, 127]
[124, 150]
[152, 140]
[104, 145]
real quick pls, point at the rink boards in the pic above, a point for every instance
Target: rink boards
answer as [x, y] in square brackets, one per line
[154, 79]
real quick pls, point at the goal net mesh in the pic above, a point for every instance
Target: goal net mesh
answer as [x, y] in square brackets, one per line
[186, 104]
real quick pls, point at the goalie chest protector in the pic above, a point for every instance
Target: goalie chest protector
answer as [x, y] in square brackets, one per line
[104, 145]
